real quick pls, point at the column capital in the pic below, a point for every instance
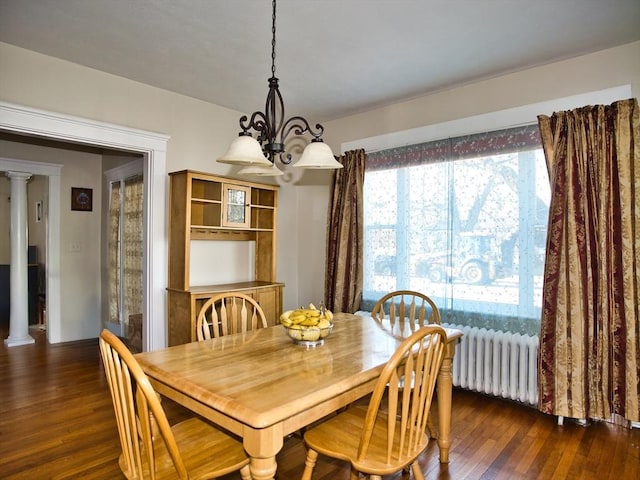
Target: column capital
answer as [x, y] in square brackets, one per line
[19, 175]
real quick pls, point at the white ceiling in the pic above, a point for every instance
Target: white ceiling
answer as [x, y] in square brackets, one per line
[333, 57]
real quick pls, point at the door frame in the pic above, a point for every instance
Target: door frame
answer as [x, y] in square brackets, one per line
[153, 146]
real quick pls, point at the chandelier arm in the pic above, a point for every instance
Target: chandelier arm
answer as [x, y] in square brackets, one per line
[285, 157]
[258, 122]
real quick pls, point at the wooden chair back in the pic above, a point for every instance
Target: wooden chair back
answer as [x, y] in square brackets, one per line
[138, 412]
[228, 313]
[395, 433]
[404, 311]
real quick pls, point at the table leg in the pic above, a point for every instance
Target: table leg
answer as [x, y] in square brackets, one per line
[262, 446]
[263, 468]
[445, 387]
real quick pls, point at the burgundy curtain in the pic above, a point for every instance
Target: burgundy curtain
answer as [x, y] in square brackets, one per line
[345, 235]
[589, 364]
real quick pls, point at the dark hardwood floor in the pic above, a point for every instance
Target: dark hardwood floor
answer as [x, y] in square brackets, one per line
[56, 421]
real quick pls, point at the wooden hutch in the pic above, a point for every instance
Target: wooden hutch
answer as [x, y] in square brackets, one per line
[214, 208]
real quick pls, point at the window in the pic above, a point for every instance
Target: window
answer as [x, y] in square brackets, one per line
[462, 220]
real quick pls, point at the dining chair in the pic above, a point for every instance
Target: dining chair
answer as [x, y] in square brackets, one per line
[151, 447]
[228, 313]
[389, 433]
[401, 313]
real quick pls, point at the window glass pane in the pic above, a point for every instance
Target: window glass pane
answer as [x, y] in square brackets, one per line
[470, 233]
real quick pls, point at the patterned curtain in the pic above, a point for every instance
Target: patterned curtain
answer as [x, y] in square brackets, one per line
[132, 246]
[345, 232]
[114, 253]
[589, 363]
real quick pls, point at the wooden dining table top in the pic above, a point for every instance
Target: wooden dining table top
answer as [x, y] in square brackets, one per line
[262, 386]
[261, 378]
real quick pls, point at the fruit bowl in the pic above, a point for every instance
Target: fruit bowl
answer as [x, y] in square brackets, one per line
[309, 336]
[307, 326]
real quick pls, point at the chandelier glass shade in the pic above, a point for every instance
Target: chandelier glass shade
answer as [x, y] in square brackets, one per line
[259, 154]
[245, 150]
[270, 170]
[313, 155]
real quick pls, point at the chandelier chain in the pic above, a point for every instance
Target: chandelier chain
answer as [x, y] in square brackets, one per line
[273, 40]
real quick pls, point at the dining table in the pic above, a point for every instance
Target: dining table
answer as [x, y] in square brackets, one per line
[262, 387]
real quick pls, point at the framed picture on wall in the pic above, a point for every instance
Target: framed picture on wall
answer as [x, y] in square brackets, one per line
[82, 199]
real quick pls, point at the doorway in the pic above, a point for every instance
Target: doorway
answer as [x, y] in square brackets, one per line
[152, 146]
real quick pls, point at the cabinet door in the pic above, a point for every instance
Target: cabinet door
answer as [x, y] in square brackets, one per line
[236, 206]
[269, 299]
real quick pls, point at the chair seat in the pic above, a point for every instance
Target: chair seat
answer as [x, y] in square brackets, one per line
[339, 437]
[201, 446]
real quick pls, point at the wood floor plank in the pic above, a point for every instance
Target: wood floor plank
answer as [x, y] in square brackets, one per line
[529, 447]
[57, 422]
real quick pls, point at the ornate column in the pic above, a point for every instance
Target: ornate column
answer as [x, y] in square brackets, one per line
[19, 300]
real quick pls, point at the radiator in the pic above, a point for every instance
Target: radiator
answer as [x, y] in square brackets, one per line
[501, 364]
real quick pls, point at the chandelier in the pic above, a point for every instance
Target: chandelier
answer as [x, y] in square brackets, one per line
[258, 155]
